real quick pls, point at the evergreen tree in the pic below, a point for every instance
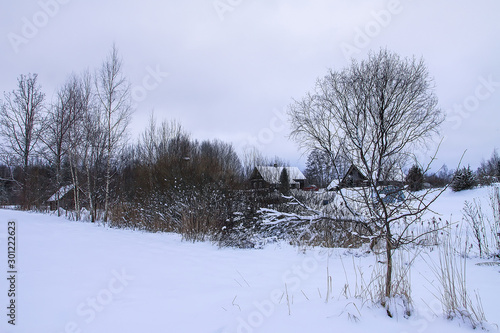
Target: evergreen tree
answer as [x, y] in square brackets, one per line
[463, 179]
[415, 178]
[284, 182]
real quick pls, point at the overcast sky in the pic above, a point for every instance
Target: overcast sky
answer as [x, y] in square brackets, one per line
[228, 69]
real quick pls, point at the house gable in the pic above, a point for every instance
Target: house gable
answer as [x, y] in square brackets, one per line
[352, 178]
[355, 178]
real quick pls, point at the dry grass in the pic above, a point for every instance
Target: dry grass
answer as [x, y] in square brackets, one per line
[372, 290]
[495, 206]
[452, 292]
[479, 224]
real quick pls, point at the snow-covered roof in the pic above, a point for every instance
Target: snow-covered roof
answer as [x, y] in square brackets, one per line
[61, 193]
[271, 174]
[333, 185]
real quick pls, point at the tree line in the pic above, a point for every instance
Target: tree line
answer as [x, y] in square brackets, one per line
[165, 180]
[80, 138]
[75, 137]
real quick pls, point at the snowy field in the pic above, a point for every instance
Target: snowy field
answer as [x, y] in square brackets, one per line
[80, 277]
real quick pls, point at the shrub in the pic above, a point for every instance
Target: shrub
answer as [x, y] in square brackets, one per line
[463, 179]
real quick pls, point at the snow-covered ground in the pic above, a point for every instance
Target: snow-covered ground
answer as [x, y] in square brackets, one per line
[80, 277]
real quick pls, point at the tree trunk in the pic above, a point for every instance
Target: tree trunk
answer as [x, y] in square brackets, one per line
[388, 275]
[89, 193]
[76, 186]
[58, 184]
[108, 180]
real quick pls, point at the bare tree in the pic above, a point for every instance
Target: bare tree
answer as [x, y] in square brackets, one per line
[319, 170]
[93, 155]
[21, 124]
[251, 157]
[219, 160]
[155, 139]
[489, 171]
[80, 138]
[62, 134]
[374, 113]
[113, 94]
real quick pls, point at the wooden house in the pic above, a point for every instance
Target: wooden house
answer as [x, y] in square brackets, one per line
[355, 178]
[352, 178]
[269, 177]
[65, 196]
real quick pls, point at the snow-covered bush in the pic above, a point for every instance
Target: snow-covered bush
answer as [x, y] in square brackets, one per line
[464, 179]
[304, 219]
